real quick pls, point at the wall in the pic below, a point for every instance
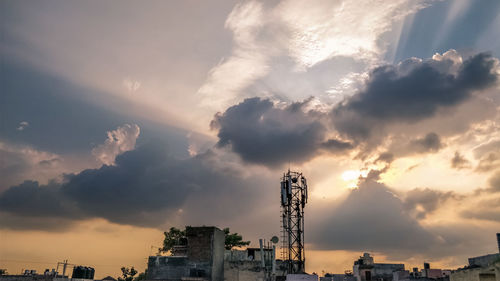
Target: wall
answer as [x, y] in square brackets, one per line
[301, 277]
[484, 261]
[204, 258]
[490, 273]
[338, 277]
[218, 243]
[243, 271]
[386, 269]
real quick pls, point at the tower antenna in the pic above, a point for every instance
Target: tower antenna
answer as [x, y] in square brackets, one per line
[293, 201]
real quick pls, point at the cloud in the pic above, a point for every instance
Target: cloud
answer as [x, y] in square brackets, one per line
[485, 209]
[146, 186]
[494, 182]
[385, 157]
[488, 155]
[131, 85]
[337, 146]
[370, 217]
[261, 132]
[460, 162]
[22, 125]
[318, 29]
[374, 217]
[120, 140]
[485, 204]
[247, 62]
[412, 91]
[430, 143]
[20, 162]
[420, 202]
[301, 36]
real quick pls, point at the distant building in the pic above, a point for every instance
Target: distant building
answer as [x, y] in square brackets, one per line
[484, 261]
[338, 277]
[481, 268]
[488, 273]
[302, 277]
[83, 274]
[365, 269]
[426, 274]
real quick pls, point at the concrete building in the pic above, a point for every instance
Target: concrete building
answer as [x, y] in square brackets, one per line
[302, 277]
[484, 261]
[365, 269]
[481, 268]
[338, 277]
[426, 274]
[251, 265]
[203, 258]
[488, 273]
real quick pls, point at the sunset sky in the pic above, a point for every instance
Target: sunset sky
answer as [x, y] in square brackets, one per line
[120, 119]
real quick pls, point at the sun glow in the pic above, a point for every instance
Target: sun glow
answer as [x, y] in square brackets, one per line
[351, 177]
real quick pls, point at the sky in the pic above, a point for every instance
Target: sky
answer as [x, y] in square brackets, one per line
[119, 120]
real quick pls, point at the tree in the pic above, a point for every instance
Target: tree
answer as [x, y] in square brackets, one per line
[176, 236]
[172, 238]
[127, 274]
[234, 240]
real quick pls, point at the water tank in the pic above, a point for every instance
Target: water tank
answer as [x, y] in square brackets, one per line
[78, 272]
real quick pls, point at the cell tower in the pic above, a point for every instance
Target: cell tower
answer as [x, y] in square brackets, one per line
[293, 201]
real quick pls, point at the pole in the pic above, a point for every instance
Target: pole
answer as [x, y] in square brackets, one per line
[262, 262]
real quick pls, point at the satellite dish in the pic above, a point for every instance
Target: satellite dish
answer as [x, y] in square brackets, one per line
[275, 239]
[294, 180]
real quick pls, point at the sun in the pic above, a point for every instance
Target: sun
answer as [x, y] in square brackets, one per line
[350, 175]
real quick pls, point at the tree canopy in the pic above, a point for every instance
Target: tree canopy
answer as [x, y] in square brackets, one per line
[173, 237]
[176, 236]
[127, 274]
[234, 240]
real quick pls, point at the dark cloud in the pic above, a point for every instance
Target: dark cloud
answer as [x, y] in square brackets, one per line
[31, 199]
[337, 146]
[420, 202]
[429, 144]
[371, 217]
[488, 162]
[146, 187]
[12, 167]
[263, 133]
[410, 92]
[488, 210]
[49, 224]
[459, 161]
[488, 155]
[494, 182]
[385, 157]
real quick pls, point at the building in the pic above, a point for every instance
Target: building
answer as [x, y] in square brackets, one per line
[302, 277]
[338, 277]
[253, 264]
[202, 258]
[488, 273]
[426, 274]
[365, 269]
[484, 261]
[481, 268]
